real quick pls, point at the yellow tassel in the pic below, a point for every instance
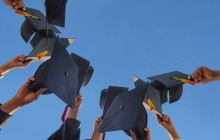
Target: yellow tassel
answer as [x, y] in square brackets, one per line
[42, 54]
[185, 81]
[152, 107]
[25, 14]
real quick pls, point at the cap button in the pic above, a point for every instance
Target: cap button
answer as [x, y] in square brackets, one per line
[121, 107]
[66, 73]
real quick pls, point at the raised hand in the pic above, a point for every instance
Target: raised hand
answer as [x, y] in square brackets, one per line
[15, 4]
[202, 75]
[78, 101]
[168, 126]
[24, 96]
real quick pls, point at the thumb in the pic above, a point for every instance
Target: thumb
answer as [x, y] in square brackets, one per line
[28, 62]
[38, 93]
[133, 135]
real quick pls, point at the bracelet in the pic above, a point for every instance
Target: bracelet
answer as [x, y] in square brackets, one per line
[1, 74]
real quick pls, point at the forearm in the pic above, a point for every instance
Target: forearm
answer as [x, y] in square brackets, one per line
[5, 68]
[215, 75]
[173, 134]
[73, 113]
[10, 107]
[95, 135]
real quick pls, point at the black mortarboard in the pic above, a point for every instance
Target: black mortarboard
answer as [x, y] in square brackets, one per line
[31, 25]
[108, 95]
[166, 82]
[127, 112]
[40, 44]
[59, 75]
[56, 12]
[152, 93]
[85, 71]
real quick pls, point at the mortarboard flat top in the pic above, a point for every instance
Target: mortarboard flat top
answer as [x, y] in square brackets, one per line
[40, 44]
[56, 12]
[123, 113]
[59, 75]
[85, 73]
[175, 87]
[31, 25]
[167, 80]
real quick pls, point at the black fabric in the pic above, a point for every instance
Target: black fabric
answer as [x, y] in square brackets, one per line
[141, 124]
[56, 12]
[112, 92]
[59, 75]
[31, 25]
[156, 92]
[175, 87]
[40, 43]
[4, 117]
[83, 66]
[70, 130]
[123, 112]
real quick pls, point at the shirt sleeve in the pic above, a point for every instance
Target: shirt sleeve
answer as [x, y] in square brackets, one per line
[4, 117]
[70, 130]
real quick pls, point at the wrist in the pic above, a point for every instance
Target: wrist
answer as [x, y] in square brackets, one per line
[215, 75]
[173, 134]
[11, 106]
[5, 68]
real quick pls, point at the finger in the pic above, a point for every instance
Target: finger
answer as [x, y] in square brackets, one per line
[165, 118]
[193, 77]
[22, 58]
[19, 6]
[146, 129]
[27, 63]
[31, 79]
[197, 77]
[189, 77]
[200, 71]
[158, 119]
[24, 8]
[133, 135]
[100, 117]
[38, 93]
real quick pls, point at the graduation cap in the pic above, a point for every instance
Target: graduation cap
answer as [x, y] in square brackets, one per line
[152, 101]
[41, 44]
[58, 74]
[108, 95]
[85, 70]
[56, 12]
[31, 25]
[172, 82]
[126, 112]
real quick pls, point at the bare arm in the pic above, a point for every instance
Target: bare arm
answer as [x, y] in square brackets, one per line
[168, 126]
[23, 97]
[95, 134]
[73, 114]
[16, 62]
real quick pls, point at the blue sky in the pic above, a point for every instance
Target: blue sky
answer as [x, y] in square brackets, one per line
[121, 38]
